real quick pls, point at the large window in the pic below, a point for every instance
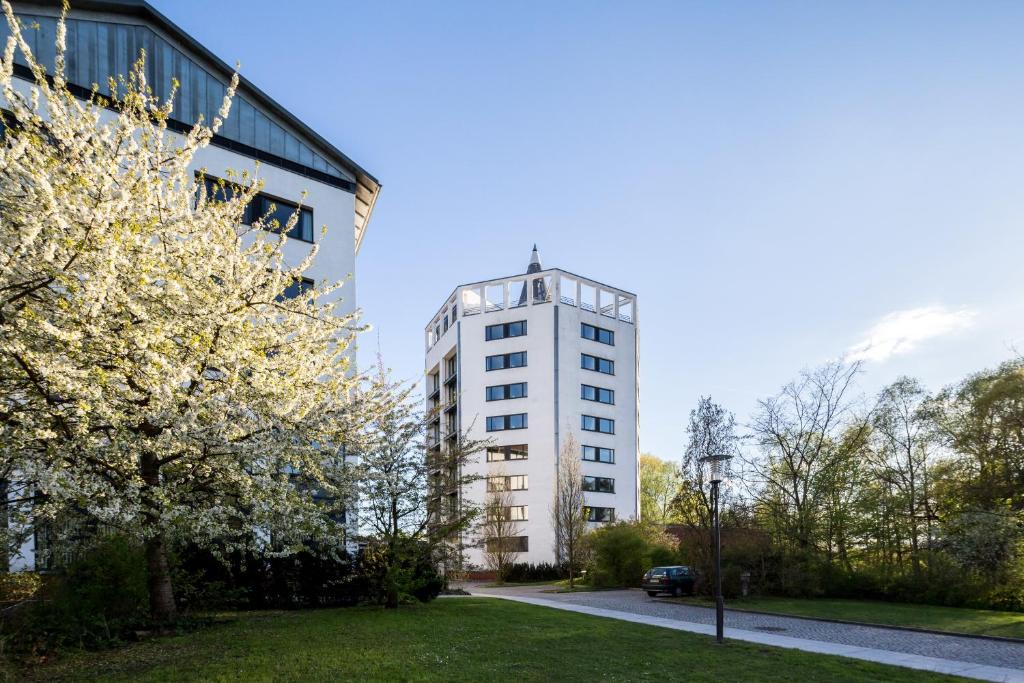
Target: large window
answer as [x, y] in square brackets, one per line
[588, 362]
[503, 453]
[503, 392]
[599, 484]
[506, 360]
[598, 454]
[589, 393]
[598, 334]
[275, 212]
[499, 423]
[503, 330]
[511, 544]
[515, 482]
[600, 514]
[596, 424]
[509, 513]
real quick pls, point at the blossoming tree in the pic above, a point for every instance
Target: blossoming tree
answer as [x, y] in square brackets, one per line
[154, 376]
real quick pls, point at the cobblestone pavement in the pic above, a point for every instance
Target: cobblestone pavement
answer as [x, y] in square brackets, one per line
[974, 650]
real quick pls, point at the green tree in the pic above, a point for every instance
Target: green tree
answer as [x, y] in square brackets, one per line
[658, 483]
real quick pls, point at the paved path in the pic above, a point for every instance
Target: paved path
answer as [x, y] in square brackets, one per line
[985, 659]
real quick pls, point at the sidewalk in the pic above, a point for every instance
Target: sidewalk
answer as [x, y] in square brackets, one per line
[912, 661]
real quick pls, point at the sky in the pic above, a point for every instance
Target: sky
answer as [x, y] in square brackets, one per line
[781, 184]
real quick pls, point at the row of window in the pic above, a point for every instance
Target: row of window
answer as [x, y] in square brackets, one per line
[503, 330]
[517, 359]
[522, 452]
[504, 392]
[519, 482]
[589, 423]
[521, 544]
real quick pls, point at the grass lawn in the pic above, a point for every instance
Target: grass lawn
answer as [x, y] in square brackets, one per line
[457, 639]
[952, 619]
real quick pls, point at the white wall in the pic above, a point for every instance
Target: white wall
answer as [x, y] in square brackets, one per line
[545, 431]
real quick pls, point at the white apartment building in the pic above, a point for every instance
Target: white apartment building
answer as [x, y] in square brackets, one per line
[524, 361]
[104, 38]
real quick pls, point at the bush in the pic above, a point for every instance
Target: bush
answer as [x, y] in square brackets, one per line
[100, 599]
[526, 572]
[622, 552]
[407, 573]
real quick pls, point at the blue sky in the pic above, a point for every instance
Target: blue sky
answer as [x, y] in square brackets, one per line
[780, 183]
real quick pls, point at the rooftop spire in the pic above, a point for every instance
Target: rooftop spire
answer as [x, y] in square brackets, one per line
[534, 266]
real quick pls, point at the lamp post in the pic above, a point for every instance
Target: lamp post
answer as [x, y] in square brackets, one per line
[716, 469]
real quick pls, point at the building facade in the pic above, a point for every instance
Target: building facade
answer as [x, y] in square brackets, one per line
[104, 39]
[523, 362]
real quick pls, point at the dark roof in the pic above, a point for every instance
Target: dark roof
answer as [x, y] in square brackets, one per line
[370, 186]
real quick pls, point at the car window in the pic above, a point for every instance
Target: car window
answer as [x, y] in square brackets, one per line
[658, 572]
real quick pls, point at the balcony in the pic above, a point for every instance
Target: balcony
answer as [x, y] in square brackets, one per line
[450, 379]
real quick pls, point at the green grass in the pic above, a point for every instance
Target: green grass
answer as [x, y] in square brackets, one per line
[951, 619]
[457, 639]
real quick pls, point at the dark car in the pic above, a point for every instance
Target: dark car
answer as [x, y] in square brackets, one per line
[677, 580]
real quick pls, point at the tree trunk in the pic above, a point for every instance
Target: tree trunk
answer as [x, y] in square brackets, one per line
[161, 592]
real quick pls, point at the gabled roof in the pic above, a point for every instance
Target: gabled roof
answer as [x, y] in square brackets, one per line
[366, 187]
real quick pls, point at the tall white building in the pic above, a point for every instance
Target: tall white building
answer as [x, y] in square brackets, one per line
[104, 38]
[524, 361]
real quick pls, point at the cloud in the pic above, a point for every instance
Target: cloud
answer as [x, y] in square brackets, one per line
[902, 331]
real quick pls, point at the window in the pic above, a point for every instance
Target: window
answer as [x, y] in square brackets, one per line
[512, 544]
[589, 393]
[600, 514]
[588, 362]
[451, 367]
[506, 360]
[271, 210]
[598, 334]
[598, 454]
[515, 482]
[503, 453]
[510, 513]
[498, 423]
[502, 330]
[502, 392]
[597, 424]
[599, 484]
[260, 207]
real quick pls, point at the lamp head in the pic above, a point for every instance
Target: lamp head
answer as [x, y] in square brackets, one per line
[716, 465]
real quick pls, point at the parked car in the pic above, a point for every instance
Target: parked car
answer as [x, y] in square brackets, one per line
[677, 580]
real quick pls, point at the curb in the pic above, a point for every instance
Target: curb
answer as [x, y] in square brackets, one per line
[912, 629]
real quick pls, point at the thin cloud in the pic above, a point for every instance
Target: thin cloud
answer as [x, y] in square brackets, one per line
[901, 332]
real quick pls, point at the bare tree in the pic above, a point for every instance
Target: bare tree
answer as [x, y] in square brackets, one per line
[500, 528]
[805, 437]
[568, 514]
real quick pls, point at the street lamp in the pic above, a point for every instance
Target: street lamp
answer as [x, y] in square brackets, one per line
[716, 469]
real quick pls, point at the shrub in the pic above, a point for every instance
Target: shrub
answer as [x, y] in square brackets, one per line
[98, 600]
[525, 572]
[618, 555]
